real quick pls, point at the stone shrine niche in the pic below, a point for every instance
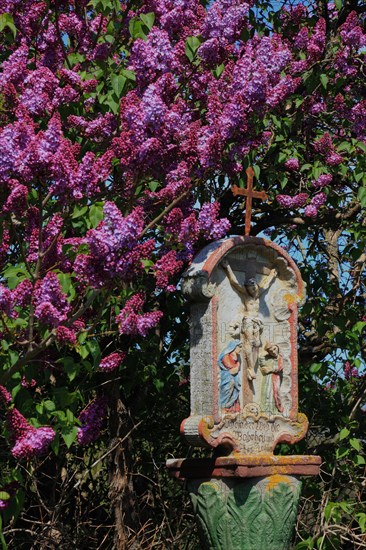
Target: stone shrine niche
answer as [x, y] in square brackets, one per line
[244, 294]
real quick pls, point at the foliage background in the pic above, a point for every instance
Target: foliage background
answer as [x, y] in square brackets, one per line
[123, 126]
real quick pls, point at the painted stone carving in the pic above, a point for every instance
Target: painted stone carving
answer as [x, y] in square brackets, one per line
[230, 376]
[244, 294]
[256, 514]
[271, 367]
[251, 325]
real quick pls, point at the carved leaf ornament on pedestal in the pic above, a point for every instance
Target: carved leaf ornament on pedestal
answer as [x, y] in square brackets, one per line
[250, 514]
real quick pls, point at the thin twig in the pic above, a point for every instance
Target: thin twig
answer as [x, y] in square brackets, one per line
[164, 213]
[119, 442]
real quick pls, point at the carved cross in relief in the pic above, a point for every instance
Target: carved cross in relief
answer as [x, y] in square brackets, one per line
[250, 194]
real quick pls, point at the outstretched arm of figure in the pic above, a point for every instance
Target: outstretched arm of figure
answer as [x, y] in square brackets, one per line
[267, 281]
[233, 280]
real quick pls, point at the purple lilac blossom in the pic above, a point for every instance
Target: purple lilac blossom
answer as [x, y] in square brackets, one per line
[298, 201]
[292, 164]
[65, 336]
[333, 159]
[6, 301]
[112, 361]
[208, 223]
[137, 324]
[350, 371]
[165, 268]
[29, 442]
[284, 200]
[351, 32]
[5, 396]
[92, 418]
[114, 250]
[51, 305]
[323, 180]
[318, 200]
[311, 211]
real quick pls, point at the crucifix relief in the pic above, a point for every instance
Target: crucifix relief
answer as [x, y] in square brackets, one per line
[244, 364]
[251, 326]
[250, 194]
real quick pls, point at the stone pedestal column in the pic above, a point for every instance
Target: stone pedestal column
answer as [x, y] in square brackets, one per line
[245, 514]
[237, 508]
[244, 294]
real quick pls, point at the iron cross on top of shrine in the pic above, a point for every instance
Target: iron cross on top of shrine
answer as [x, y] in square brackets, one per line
[250, 194]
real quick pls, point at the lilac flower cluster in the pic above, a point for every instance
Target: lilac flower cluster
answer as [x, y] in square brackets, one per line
[323, 180]
[131, 321]
[4, 244]
[40, 86]
[6, 301]
[188, 234]
[316, 43]
[92, 418]
[297, 201]
[177, 16]
[29, 442]
[152, 57]
[293, 15]
[65, 335]
[5, 396]
[17, 199]
[225, 20]
[22, 293]
[114, 248]
[292, 164]
[325, 146]
[68, 335]
[209, 224]
[165, 268]
[311, 211]
[185, 229]
[302, 39]
[26, 154]
[177, 182]
[99, 128]
[51, 305]
[352, 33]
[253, 84]
[112, 361]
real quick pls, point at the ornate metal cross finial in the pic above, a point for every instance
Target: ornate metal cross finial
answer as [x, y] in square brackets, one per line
[250, 194]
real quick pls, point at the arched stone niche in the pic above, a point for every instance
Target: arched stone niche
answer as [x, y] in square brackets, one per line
[244, 294]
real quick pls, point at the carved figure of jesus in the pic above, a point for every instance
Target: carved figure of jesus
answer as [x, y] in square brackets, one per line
[251, 326]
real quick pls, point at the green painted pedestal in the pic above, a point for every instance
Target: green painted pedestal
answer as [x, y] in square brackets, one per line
[246, 514]
[245, 502]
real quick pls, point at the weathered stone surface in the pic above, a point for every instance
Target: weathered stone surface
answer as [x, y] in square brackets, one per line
[245, 293]
[239, 465]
